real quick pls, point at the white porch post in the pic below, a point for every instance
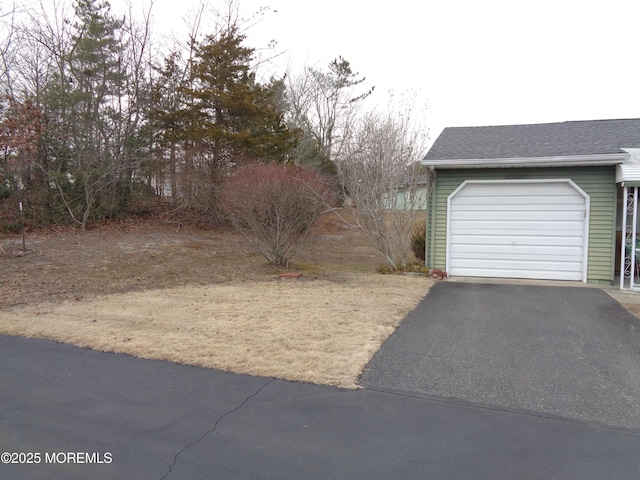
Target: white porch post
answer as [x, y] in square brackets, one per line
[628, 266]
[623, 241]
[632, 255]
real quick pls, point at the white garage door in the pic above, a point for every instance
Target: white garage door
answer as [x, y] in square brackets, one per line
[518, 229]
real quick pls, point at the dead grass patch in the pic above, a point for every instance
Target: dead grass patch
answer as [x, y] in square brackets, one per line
[205, 298]
[318, 331]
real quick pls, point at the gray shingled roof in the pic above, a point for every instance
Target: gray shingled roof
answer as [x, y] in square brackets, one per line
[537, 140]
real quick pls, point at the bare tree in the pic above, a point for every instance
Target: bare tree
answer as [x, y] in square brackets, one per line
[7, 49]
[322, 104]
[379, 171]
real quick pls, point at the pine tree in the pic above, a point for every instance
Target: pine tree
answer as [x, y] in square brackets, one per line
[238, 117]
[217, 117]
[90, 123]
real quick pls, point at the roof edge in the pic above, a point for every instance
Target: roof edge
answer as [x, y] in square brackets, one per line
[555, 161]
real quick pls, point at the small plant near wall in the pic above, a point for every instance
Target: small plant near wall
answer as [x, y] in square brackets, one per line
[415, 267]
[418, 241]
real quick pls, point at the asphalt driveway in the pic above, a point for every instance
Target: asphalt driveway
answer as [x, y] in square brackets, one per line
[68, 413]
[564, 351]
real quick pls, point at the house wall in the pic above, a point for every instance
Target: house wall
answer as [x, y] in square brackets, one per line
[598, 182]
[418, 203]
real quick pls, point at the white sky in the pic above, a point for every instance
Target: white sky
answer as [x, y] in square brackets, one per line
[474, 62]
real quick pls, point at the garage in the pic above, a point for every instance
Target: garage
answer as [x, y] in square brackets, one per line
[536, 201]
[534, 229]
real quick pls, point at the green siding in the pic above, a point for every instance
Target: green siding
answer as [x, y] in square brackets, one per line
[417, 203]
[598, 182]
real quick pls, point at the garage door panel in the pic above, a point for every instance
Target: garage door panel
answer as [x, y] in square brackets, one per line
[477, 202]
[490, 259]
[522, 251]
[507, 206]
[500, 240]
[530, 274]
[541, 265]
[518, 229]
[519, 187]
[518, 215]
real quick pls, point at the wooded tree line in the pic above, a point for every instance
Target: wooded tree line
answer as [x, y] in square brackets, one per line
[94, 123]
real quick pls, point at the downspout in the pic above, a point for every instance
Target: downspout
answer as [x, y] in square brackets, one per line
[431, 219]
[427, 217]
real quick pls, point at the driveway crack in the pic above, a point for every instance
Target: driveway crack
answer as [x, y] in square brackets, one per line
[213, 428]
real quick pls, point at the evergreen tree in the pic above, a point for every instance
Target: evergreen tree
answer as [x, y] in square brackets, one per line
[166, 125]
[237, 117]
[84, 106]
[216, 117]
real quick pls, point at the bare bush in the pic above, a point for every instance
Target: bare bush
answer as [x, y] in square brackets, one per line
[274, 206]
[380, 173]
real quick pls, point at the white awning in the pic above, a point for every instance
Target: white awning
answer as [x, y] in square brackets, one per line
[628, 173]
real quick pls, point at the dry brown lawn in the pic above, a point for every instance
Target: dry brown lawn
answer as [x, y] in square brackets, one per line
[204, 298]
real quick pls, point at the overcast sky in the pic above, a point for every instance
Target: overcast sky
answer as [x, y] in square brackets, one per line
[488, 62]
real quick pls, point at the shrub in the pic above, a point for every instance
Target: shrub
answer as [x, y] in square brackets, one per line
[385, 269]
[5, 191]
[274, 206]
[415, 267]
[418, 241]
